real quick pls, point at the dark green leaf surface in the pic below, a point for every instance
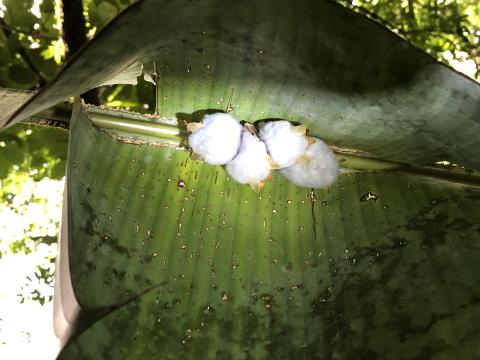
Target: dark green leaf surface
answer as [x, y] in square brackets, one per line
[352, 82]
[285, 273]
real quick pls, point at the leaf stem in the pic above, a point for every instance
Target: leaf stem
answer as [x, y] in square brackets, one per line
[138, 129]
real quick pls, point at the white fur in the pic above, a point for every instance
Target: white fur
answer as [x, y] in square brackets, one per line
[318, 168]
[217, 142]
[284, 145]
[250, 166]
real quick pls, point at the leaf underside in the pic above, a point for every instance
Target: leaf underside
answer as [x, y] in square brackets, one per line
[284, 273]
[10, 101]
[350, 81]
[182, 262]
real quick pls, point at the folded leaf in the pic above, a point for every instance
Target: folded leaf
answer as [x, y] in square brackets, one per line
[350, 81]
[10, 101]
[181, 262]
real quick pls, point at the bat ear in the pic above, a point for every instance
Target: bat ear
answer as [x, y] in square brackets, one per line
[256, 186]
[195, 156]
[272, 164]
[250, 127]
[310, 140]
[194, 126]
[300, 129]
[304, 159]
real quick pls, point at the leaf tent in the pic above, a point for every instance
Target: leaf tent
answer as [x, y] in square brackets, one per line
[169, 258]
[351, 81]
[382, 263]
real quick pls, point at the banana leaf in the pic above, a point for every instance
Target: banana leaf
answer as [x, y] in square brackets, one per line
[10, 101]
[169, 258]
[351, 81]
[165, 257]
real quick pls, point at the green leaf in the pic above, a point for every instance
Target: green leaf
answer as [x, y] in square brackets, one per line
[22, 75]
[4, 167]
[13, 153]
[10, 101]
[380, 264]
[18, 13]
[4, 52]
[106, 10]
[213, 269]
[58, 170]
[35, 151]
[352, 82]
[55, 51]
[13, 44]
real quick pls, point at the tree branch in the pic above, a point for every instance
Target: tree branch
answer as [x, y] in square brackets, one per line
[74, 29]
[13, 30]
[411, 13]
[74, 33]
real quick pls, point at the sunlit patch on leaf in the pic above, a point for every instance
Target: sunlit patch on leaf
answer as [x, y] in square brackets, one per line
[369, 196]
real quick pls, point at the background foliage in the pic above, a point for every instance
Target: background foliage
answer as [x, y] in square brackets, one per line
[447, 30]
[33, 159]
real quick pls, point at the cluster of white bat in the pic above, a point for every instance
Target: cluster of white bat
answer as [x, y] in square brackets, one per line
[249, 154]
